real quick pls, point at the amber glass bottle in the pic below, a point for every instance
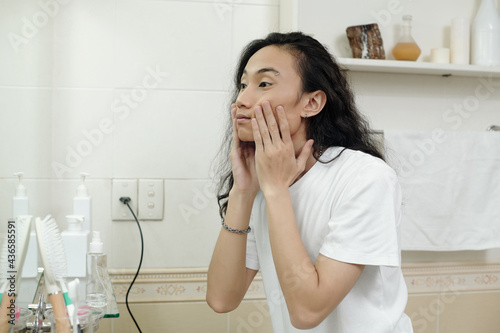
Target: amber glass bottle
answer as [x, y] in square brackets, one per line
[406, 48]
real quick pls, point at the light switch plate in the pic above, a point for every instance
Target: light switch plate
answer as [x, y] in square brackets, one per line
[123, 188]
[151, 199]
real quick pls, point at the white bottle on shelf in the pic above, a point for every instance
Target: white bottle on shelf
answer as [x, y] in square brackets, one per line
[76, 241]
[485, 35]
[20, 207]
[82, 203]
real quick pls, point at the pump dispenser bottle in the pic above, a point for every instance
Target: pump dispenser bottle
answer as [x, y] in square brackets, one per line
[20, 206]
[75, 241]
[82, 203]
[406, 48]
[20, 202]
[100, 293]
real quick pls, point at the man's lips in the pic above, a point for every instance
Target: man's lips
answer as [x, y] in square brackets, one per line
[241, 118]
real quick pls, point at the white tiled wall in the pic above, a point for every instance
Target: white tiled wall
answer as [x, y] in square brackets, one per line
[25, 129]
[26, 49]
[72, 100]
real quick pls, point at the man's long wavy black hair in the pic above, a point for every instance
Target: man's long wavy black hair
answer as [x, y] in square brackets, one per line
[338, 124]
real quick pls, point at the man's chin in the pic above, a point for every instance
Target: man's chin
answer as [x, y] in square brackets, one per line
[245, 136]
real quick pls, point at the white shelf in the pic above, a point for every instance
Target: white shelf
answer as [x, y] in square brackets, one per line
[410, 67]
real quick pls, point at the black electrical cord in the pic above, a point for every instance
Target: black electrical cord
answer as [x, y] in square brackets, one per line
[126, 200]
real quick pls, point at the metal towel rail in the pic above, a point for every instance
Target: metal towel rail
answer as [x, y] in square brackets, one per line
[491, 128]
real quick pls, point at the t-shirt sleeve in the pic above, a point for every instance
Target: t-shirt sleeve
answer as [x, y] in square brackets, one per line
[363, 228]
[252, 260]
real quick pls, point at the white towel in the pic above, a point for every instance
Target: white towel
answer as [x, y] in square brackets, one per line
[451, 188]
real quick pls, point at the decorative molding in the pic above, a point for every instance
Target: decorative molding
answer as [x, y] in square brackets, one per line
[170, 285]
[452, 277]
[190, 284]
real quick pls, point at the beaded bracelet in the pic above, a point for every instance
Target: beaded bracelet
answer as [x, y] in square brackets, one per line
[237, 231]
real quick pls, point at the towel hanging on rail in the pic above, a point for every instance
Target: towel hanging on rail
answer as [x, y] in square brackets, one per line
[451, 188]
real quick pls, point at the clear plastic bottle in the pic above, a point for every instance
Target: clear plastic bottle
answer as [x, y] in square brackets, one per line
[99, 289]
[406, 48]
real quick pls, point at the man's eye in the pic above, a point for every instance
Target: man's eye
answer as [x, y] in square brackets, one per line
[242, 86]
[264, 84]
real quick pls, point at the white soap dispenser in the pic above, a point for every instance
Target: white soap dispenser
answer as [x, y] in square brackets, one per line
[20, 207]
[20, 202]
[76, 241]
[82, 203]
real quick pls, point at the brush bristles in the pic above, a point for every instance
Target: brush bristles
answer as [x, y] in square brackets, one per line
[22, 229]
[54, 247]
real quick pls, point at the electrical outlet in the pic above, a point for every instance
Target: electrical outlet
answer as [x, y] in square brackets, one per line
[123, 188]
[150, 199]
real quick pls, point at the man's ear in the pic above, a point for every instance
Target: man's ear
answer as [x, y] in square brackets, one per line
[315, 103]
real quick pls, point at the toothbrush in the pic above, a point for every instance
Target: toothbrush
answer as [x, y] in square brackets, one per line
[68, 301]
[54, 259]
[20, 233]
[73, 294]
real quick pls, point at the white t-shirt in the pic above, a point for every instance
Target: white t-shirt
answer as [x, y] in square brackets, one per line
[347, 210]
